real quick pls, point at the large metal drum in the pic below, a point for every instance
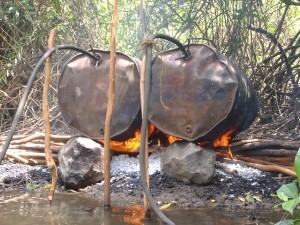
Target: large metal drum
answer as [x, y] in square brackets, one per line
[83, 96]
[200, 98]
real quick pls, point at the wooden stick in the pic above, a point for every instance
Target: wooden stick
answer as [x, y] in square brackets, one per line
[268, 152]
[286, 161]
[274, 144]
[272, 168]
[142, 91]
[31, 154]
[255, 160]
[15, 137]
[242, 142]
[54, 138]
[20, 139]
[37, 147]
[267, 166]
[50, 162]
[17, 157]
[110, 105]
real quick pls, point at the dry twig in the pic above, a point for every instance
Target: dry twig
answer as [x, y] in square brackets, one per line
[50, 162]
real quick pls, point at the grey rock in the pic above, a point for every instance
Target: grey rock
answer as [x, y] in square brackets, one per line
[81, 163]
[189, 162]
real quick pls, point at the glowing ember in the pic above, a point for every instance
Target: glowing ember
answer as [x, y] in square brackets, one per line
[224, 139]
[172, 139]
[230, 153]
[130, 145]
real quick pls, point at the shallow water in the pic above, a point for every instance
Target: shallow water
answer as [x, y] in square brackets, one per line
[76, 209]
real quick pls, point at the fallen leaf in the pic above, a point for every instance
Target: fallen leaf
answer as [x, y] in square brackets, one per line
[48, 186]
[241, 199]
[257, 198]
[163, 207]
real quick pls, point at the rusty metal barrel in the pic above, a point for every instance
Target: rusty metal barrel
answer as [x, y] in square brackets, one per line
[202, 98]
[83, 95]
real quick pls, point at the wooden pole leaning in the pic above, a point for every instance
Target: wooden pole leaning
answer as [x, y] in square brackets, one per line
[48, 153]
[142, 91]
[110, 105]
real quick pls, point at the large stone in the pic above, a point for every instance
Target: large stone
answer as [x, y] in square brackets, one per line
[188, 162]
[81, 163]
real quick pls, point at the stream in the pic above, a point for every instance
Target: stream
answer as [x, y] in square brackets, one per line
[76, 209]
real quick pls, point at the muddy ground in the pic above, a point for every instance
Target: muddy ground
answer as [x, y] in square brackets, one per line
[234, 185]
[228, 190]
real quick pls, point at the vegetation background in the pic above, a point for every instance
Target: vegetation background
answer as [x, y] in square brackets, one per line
[262, 37]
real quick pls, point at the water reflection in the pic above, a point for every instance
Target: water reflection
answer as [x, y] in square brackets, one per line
[76, 209]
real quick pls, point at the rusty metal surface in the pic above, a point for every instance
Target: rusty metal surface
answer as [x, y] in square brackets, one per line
[83, 90]
[200, 98]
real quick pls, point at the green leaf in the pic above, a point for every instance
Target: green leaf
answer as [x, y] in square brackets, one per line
[11, 9]
[291, 190]
[282, 196]
[32, 186]
[296, 214]
[277, 206]
[296, 217]
[297, 166]
[291, 204]
[285, 222]
[250, 198]
[56, 5]
[28, 18]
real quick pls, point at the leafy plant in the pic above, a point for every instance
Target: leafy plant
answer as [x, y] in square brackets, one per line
[32, 186]
[290, 196]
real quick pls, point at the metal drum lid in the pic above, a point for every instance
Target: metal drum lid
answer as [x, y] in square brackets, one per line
[189, 98]
[83, 94]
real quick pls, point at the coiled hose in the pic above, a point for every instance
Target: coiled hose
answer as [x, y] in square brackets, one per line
[186, 56]
[29, 85]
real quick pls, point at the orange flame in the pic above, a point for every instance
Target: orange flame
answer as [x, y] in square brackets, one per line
[130, 215]
[224, 139]
[130, 145]
[230, 153]
[172, 139]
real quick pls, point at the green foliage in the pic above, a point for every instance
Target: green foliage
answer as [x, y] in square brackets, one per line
[290, 196]
[285, 222]
[25, 24]
[250, 198]
[32, 186]
[297, 166]
[56, 5]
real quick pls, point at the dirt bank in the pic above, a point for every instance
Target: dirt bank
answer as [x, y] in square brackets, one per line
[234, 185]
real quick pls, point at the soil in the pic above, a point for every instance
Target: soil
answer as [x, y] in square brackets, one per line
[225, 191]
[231, 186]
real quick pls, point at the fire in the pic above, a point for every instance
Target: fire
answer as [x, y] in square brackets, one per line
[130, 215]
[172, 139]
[130, 145]
[224, 139]
[230, 153]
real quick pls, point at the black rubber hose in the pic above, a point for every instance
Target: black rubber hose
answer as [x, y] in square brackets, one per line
[28, 88]
[147, 192]
[186, 53]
